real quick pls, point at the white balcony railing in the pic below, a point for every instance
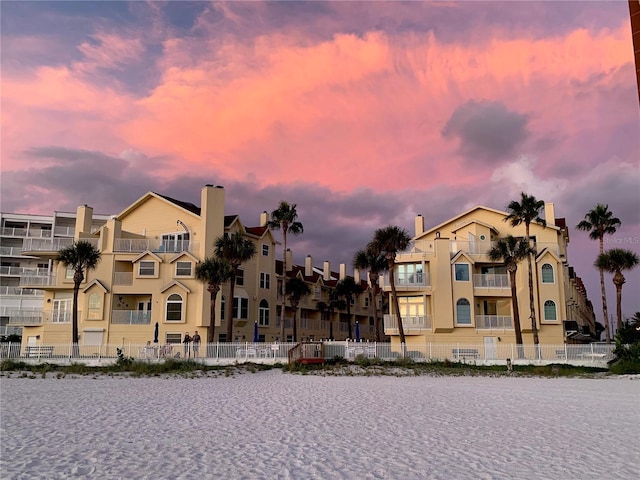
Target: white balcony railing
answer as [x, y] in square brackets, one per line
[64, 231]
[139, 245]
[491, 280]
[488, 322]
[20, 292]
[11, 251]
[25, 316]
[45, 245]
[130, 317]
[20, 271]
[23, 232]
[410, 324]
[37, 280]
[409, 280]
[482, 247]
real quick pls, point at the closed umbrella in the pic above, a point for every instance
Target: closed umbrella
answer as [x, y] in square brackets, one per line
[155, 333]
[255, 332]
[357, 331]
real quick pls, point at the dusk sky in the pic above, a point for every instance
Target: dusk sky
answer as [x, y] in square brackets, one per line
[364, 114]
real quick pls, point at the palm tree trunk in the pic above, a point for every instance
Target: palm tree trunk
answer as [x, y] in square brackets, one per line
[349, 317]
[212, 315]
[396, 305]
[516, 314]
[534, 324]
[232, 288]
[619, 280]
[603, 291]
[295, 323]
[376, 319]
[330, 326]
[74, 320]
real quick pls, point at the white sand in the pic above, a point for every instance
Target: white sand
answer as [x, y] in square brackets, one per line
[271, 425]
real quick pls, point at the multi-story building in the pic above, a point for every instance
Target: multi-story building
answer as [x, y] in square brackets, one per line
[449, 291]
[19, 305]
[145, 279]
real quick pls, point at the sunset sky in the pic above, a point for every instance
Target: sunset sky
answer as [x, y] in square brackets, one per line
[362, 113]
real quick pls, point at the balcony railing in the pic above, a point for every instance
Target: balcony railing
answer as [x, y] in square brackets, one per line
[410, 324]
[23, 232]
[130, 317]
[64, 231]
[488, 322]
[25, 316]
[6, 330]
[408, 280]
[123, 278]
[26, 271]
[46, 245]
[20, 292]
[38, 280]
[491, 280]
[139, 245]
[482, 247]
[11, 251]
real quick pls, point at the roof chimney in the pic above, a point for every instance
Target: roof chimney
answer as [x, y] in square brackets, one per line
[264, 219]
[356, 276]
[419, 224]
[343, 271]
[549, 214]
[308, 266]
[326, 270]
[289, 260]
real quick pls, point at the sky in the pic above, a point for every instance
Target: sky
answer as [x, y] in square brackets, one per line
[363, 114]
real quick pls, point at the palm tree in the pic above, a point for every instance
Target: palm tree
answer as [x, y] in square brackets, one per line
[214, 272]
[82, 256]
[295, 289]
[367, 259]
[388, 241]
[285, 217]
[527, 211]
[600, 222]
[236, 250]
[327, 309]
[347, 288]
[512, 251]
[615, 261]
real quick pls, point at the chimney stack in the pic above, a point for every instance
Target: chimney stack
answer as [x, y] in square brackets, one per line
[308, 266]
[356, 276]
[343, 271]
[549, 214]
[326, 270]
[264, 219]
[419, 224]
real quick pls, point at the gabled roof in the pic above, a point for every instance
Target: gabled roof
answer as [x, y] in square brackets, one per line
[544, 252]
[97, 282]
[490, 227]
[229, 219]
[257, 231]
[186, 206]
[144, 254]
[462, 254]
[174, 284]
[183, 254]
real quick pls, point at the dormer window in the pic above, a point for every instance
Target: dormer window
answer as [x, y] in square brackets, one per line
[147, 269]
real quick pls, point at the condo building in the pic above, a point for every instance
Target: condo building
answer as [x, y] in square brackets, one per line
[450, 291]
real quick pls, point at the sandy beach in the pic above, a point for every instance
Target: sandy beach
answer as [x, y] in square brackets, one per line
[284, 426]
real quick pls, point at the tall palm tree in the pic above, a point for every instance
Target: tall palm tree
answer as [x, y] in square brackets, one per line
[600, 222]
[295, 289]
[367, 259]
[285, 218]
[388, 241]
[347, 288]
[527, 211]
[214, 272]
[511, 251]
[82, 256]
[615, 261]
[236, 250]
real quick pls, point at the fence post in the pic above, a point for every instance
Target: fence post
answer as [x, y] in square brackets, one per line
[593, 358]
[565, 353]
[430, 351]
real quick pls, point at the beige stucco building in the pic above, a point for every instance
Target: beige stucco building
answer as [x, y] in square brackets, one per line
[450, 292]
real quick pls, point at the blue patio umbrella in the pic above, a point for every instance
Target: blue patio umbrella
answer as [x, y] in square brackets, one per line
[255, 332]
[155, 333]
[357, 331]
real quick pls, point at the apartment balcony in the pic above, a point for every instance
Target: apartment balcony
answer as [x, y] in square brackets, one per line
[11, 252]
[24, 232]
[6, 330]
[130, 317]
[6, 291]
[139, 245]
[413, 281]
[483, 247]
[38, 281]
[123, 278]
[491, 280]
[412, 325]
[23, 271]
[24, 317]
[493, 322]
[64, 231]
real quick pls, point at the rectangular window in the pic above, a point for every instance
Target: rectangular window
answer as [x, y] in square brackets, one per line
[173, 338]
[265, 250]
[183, 269]
[95, 307]
[410, 274]
[240, 278]
[147, 269]
[69, 272]
[366, 301]
[462, 272]
[244, 308]
[411, 306]
[62, 311]
[265, 280]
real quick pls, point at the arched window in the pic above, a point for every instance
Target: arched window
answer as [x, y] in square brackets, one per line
[550, 310]
[263, 312]
[174, 308]
[463, 312]
[547, 273]
[95, 307]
